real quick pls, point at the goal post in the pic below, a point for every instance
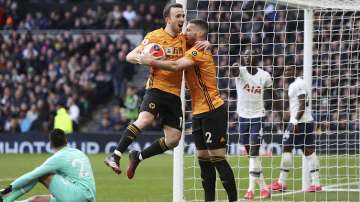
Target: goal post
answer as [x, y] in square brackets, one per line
[178, 158]
[325, 36]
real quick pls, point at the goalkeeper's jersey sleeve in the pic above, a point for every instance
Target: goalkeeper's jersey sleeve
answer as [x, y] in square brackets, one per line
[68, 162]
[201, 81]
[174, 49]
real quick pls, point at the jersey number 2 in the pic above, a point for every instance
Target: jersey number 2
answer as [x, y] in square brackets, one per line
[208, 137]
[79, 163]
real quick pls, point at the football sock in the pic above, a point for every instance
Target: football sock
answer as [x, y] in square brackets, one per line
[157, 147]
[285, 165]
[19, 192]
[226, 176]
[253, 174]
[261, 180]
[128, 136]
[208, 176]
[313, 165]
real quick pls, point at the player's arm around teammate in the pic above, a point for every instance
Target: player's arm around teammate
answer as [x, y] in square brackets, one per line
[161, 97]
[209, 134]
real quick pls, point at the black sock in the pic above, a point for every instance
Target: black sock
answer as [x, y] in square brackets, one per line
[226, 176]
[128, 137]
[208, 176]
[157, 147]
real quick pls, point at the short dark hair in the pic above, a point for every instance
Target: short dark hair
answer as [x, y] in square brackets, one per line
[202, 24]
[57, 138]
[166, 12]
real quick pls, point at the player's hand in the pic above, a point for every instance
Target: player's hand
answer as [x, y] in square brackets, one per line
[290, 128]
[234, 70]
[202, 45]
[6, 190]
[144, 59]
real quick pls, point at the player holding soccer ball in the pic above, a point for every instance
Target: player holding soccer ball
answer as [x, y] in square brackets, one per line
[300, 132]
[67, 175]
[209, 123]
[162, 93]
[251, 85]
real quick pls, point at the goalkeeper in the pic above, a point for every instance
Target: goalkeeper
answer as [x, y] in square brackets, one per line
[209, 111]
[67, 175]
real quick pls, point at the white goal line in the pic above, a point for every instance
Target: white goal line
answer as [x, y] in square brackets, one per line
[327, 188]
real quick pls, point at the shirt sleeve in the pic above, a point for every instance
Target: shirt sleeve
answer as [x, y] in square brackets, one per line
[268, 80]
[149, 38]
[300, 88]
[51, 165]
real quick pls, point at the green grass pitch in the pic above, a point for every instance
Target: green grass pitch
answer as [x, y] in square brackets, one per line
[153, 180]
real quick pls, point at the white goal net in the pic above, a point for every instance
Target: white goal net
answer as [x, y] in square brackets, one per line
[277, 30]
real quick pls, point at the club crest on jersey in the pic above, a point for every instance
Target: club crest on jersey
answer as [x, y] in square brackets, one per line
[194, 53]
[152, 105]
[252, 89]
[145, 41]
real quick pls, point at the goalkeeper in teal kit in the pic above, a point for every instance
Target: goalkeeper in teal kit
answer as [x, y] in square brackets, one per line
[67, 175]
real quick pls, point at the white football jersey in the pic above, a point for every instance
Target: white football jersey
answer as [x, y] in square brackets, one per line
[296, 88]
[250, 92]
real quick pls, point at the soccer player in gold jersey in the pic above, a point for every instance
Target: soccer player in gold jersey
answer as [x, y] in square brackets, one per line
[162, 94]
[210, 116]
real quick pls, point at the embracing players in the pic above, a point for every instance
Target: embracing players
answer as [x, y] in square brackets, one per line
[162, 94]
[251, 83]
[300, 132]
[210, 117]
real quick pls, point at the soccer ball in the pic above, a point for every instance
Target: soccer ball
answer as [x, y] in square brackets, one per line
[155, 50]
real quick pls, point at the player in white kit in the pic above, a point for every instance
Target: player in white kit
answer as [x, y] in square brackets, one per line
[300, 132]
[251, 83]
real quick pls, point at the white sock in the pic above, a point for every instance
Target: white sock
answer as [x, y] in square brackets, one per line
[252, 178]
[140, 157]
[285, 166]
[314, 165]
[261, 180]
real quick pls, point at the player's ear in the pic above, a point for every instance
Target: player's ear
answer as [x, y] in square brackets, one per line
[167, 19]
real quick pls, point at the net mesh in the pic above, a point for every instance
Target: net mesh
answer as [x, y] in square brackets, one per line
[277, 30]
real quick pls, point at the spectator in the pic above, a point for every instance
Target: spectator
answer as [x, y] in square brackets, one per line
[130, 15]
[87, 17]
[74, 112]
[62, 119]
[131, 104]
[12, 125]
[105, 122]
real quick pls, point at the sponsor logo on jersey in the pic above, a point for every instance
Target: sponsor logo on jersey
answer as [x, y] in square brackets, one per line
[252, 89]
[173, 51]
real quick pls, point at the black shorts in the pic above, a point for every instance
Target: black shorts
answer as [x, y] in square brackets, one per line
[210, 129]
[304, 138]
[251, 130]
[165, 105]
